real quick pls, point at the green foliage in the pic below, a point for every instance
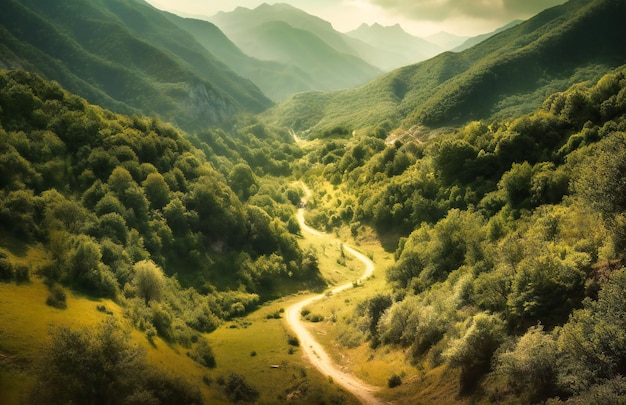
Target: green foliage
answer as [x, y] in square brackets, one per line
[373, 309]
[80, 365]
[473, 350]
[182, 81]
[57, 297]
[506, 75]
[293, 341]
[203, 354]
[593, 341]
[148, 281]
[120, 190]
[502, 227]
[531, 369]
[238, 389]
[7, 271]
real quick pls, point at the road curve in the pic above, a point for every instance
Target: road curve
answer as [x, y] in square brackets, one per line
[311, 349]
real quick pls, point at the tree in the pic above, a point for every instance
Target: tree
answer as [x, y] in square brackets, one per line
[100, 366]
[149, 281]
[472, 352]
[120, 180]
[531, 368]
[243, 181]
[157, 190]
[600, 182]
[593, 342]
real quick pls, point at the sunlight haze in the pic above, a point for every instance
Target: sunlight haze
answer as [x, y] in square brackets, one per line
[420, 18]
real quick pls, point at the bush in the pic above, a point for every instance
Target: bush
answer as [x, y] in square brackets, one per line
[100, 365]
[315, 318]
[531, 369]
[22, 274]
[203, 354]
[473, 351]
[394, 381]
[293, 341]
[6, 270]
[56, 297]
[162, 321]
[238, 389]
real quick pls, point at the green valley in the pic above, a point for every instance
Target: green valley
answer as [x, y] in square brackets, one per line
[452, 231]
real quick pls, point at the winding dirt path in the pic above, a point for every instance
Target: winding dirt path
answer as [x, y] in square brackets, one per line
[311, 349]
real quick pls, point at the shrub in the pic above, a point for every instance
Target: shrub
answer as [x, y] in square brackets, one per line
[531, 369]
[22, 274]
[162, 321]
[472, 352]
[394, 381]
[237, 389]
[56, 297]
[100, 365]
[293, 341]
[6, 270]
[315, 318]
[203, 354]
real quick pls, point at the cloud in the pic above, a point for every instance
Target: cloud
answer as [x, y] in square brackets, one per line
[441, 10]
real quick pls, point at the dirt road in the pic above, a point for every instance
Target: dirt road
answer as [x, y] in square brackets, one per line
[311, 349]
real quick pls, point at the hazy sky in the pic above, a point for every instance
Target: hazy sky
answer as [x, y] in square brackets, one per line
[419, 17]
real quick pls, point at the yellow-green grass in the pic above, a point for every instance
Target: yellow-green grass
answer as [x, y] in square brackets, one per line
[257, 348]
[374, 366]
[26, 324]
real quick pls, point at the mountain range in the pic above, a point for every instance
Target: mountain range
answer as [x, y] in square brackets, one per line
[128, 56]
[292, 37]
[509, 73]
[400, 47]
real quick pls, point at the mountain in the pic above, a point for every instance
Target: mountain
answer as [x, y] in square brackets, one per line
[446, 40]
[470, 42]
[402, 47]
[124, 55]
[241, 21]
[287, 35]
[276, 80]
[508, 73]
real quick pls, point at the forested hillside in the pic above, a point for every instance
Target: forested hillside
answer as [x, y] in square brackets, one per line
[510, 248]
[504, 76]
[142, 263]
[126, 56]
[104, 193]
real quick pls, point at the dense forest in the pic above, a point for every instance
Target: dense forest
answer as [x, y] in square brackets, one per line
[129, 209]
[150, 242]
[510, 241]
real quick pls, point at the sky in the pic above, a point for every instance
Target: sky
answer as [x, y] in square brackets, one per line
[419, 17]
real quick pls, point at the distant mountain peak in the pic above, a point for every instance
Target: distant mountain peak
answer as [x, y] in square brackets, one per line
[276, 6]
